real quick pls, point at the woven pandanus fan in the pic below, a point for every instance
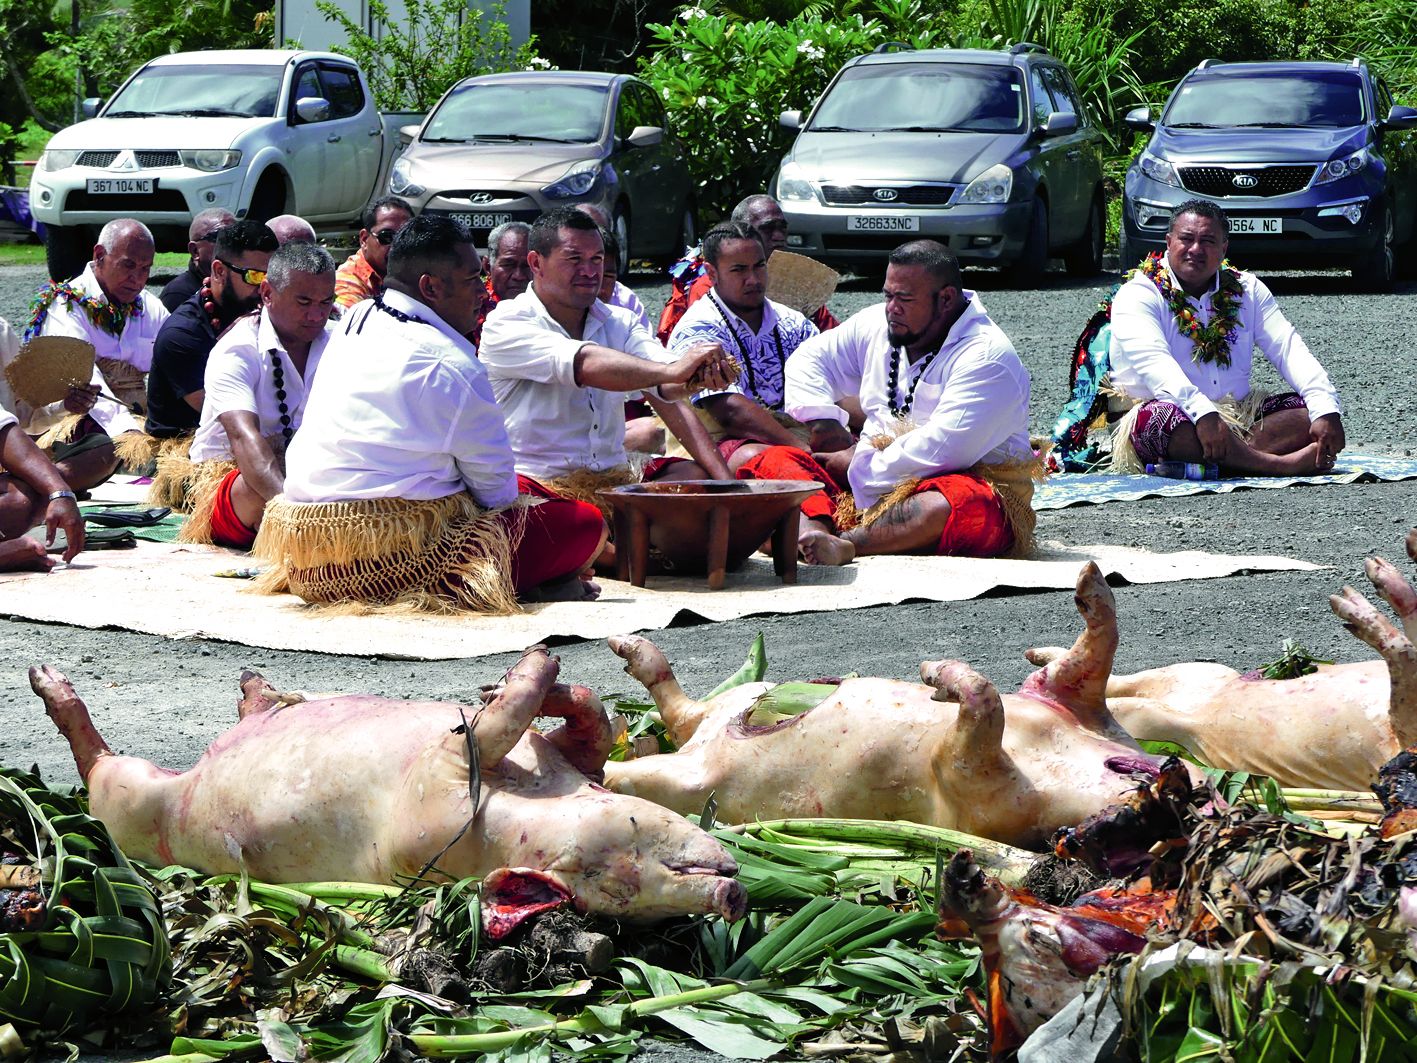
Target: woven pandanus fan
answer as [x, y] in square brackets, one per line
[800, 282]
[47, 366]
[81, 934]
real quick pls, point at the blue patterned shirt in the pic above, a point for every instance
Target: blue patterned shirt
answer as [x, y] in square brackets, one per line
[762, 353]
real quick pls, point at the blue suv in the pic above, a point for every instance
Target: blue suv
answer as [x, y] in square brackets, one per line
[1312, 162]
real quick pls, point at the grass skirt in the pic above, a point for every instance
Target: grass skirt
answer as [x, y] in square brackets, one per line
[443, 555]
[201, 485]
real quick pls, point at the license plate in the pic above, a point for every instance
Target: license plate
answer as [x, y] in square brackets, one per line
[117, 186]
[882, 223]
[1261, 226]
[482, 220]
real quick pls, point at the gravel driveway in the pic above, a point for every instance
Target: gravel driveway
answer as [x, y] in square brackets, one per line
[166, 700]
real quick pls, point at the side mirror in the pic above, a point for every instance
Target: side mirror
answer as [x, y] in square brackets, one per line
[90, 106]
[1139, 118]
[1400, 118]
[1059, 124]
[312, 109]
[790, 119]
[407, 133]
[645, 136]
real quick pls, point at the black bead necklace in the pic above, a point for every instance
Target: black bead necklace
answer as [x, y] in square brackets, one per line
[747, 359]
[892, 381]
[397, 315]
[279, 372]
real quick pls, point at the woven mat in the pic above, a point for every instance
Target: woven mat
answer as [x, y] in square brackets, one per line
[1077, 489]
[172, 590]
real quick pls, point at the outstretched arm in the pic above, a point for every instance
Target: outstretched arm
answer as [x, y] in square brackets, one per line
[690, 431]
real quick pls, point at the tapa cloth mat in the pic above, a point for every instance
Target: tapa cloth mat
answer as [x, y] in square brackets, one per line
[1076, 489]
[173, 590]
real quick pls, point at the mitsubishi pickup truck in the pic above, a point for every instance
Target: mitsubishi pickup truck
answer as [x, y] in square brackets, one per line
[259, 132]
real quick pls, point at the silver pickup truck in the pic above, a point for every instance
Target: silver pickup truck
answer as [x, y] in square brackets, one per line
[259, 132]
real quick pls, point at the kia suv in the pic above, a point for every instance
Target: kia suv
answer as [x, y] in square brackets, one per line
[1311, 161]
[989, 152]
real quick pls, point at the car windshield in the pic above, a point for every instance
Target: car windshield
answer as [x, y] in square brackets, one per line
[572, 114]
[1330, 99]
[944, 97]
[237, 91]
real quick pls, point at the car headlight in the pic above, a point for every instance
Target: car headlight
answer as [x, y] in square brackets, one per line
[1158, 170]
[1337, 169]
[578, 180]
[792, 186]
[57, 159]
[400, 183]
[994, 185]
[211, 160]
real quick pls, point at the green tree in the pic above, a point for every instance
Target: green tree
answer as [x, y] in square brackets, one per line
[411, 62]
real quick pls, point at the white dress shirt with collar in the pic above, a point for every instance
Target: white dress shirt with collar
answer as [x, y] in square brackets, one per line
[970, 401]
[556, 425]
[827, 367]
[624, 296]
[241, 376]
[763, 353]
[404, 410]
[1151, 359]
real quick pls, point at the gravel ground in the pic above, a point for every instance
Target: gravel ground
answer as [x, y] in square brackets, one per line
[167, 700]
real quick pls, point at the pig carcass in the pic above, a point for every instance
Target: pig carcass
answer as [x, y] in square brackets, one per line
[372, 789]
[951, 752]
[1331, 729]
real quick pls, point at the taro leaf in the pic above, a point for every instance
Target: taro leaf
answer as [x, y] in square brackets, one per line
[720, 1034]
[1199, 1044]
[281, 1042]
[752, 671]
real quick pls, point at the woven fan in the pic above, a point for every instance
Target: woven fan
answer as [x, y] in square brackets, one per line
[47, 366]
[90, 939]
[800, 282]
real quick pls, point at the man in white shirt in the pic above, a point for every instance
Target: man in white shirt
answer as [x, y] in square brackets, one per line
[405, 449]
[106, 305]
[257, 382]
[561, 362]
[757, 439]
[944, 464]
[1184, 329]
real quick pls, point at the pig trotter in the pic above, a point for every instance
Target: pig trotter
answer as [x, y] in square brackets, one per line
[586, 738]
[71, 716]
[646, 663]
[1362, 618]
[505, 718]
[980, 730]
[257, 695]
[1078, 678]
[1396, 591]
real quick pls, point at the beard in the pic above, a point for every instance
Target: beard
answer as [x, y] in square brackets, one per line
[902, 338]
[230, 306]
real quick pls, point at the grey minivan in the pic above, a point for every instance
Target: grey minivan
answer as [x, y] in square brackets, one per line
[989, 152]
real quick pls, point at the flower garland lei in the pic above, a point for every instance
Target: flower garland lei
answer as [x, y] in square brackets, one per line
[1212, 341]
[111, 317]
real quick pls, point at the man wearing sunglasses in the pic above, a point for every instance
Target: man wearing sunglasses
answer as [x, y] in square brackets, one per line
[362, 274]
[201, 245]
[690, 279]
[242, 251]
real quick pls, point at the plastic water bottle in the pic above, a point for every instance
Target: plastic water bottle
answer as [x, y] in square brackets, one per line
[1185, 470]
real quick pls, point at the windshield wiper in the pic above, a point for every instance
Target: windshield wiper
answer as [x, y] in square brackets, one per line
[835, 129]
[203, 112]
[927, 129]
[1192, 125]
[521, 137]
[127, 114]
[1277, 125]
[444, 140]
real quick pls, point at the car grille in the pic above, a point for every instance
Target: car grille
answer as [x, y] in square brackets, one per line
[908, 195]
[467, 193]
[1219, 181]
[164, 199]
[865, 242]
[97, 158]
[151, 159]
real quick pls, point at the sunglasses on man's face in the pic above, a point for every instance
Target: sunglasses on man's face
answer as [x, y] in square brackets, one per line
[209, 238]
[252, 277]
[384, 236]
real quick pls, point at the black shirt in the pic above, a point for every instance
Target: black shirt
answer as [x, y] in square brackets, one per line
[179, 368]
[181, 288]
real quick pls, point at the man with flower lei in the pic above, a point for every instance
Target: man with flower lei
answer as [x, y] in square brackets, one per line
[944, 465]
[1184, 329]
[108, 306]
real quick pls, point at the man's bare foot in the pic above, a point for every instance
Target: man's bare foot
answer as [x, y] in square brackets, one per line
[24, 555]
[817, 547]
[570, 589]
[1304, 461]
